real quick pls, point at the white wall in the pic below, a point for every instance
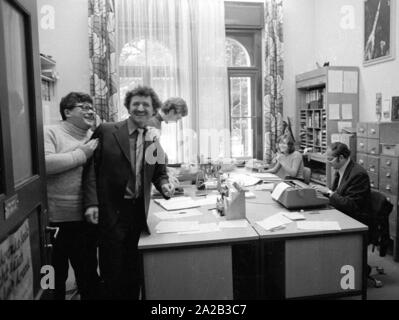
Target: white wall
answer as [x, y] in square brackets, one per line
[67, 43]
[299, 42]
[345, 46]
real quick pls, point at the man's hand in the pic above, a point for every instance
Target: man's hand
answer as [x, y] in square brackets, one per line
[89, 147]
[322, 189]
[168, 189]
[91, 215]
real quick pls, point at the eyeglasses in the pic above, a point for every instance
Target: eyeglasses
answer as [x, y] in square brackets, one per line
[86, 107]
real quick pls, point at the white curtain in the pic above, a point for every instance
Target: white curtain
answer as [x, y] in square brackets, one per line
[178, 48]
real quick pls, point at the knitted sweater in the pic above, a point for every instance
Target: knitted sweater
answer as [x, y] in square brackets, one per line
[64, 166]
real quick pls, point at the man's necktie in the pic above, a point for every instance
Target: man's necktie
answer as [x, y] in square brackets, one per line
[336, 181]
[139, 159]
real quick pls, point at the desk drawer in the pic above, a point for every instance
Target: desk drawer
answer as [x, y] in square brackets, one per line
[393, 217]
[362, 129]
[373, 180]
[373, 146]
[373, 164]
[362, 160]
[362, 145]
[390, 150]
[389, 163]
[373, 130]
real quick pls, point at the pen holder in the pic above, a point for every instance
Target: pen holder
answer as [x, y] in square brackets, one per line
[234, 208]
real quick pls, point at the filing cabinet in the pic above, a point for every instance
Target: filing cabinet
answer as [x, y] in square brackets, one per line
[378, 153]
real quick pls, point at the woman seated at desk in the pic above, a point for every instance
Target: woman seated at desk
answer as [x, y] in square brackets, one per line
[288, 162]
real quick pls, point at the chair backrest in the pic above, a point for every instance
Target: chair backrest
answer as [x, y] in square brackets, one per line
[307, 173]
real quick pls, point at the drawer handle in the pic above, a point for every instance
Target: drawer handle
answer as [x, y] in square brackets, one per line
[361, 162]
[388, 187]
[388, 163]
[361, 130]
[372, 131]
[372, 168]
[389, 199]
[372, 151]
[388, 175]
[372, 183]
[361, 144]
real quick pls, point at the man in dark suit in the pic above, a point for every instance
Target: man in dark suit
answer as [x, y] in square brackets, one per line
[117, 190]
[350, 192]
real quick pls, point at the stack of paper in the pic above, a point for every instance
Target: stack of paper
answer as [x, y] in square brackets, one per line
[318, 225]
[273, 222]
[244, 180]
[233, 224]
[267, 176]
[165, 215]
[294, 216]
[264, 187]
[249, 195]
[170, 227]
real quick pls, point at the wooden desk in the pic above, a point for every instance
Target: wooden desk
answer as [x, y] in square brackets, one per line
[215, 265]
[253, 263]
[304, 264]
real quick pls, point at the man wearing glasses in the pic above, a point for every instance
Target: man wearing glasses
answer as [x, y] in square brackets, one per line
[350, 191]
[67, 148]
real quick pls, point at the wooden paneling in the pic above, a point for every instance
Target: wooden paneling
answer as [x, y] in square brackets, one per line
[207, 271]
[313, 266]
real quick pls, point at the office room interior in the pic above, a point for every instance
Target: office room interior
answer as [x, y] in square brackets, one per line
[199, 150]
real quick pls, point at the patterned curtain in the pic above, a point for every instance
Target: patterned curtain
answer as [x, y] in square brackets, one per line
[274, 75]
[103, 71]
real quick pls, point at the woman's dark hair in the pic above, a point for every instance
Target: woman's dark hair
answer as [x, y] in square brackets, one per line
[340, 149]
[71, 99]
[143, 91]
[290, 142]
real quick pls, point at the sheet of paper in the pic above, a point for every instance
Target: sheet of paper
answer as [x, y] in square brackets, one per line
[233, 224]
[335, 81]
[318, 225]
[173, 227]
[343, 124]
[279, 190]
[274, 222]
[333, 112]
[350, 82]
[267, 176]
[265, 187]
[204, 228]
[386, 110]
[249, 195]
[178, 203]
[206, 201]
[294, 216]
[347, 111]
[179, 214]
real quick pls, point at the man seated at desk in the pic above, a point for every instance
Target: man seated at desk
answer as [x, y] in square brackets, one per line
[351, 185]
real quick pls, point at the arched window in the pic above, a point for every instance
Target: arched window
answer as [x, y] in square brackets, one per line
[236, 54]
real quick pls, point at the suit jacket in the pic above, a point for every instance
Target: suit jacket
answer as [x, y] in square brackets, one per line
[107, 173]
[353, 194]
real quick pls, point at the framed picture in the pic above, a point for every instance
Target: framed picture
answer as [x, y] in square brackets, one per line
[379, 29]
[395, 109]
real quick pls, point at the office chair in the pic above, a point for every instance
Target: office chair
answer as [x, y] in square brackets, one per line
[307, 173]
[377, 219]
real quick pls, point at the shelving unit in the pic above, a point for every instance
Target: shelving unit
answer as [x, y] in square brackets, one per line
[48, 85]
[327, 101]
